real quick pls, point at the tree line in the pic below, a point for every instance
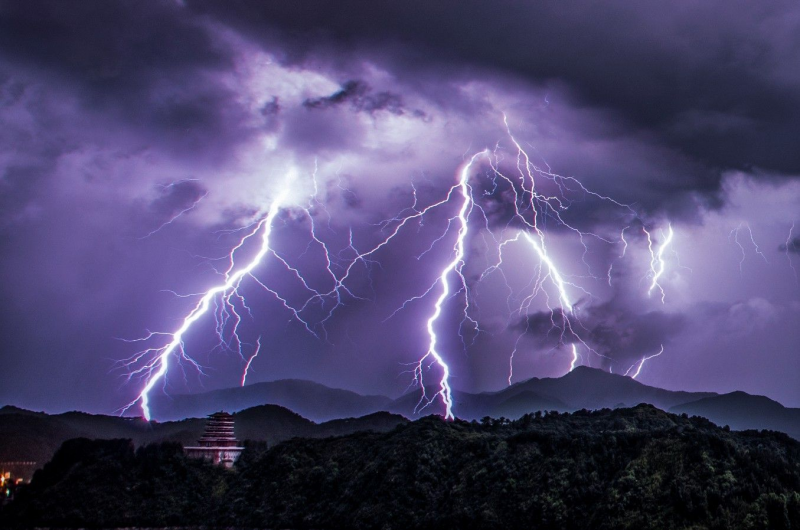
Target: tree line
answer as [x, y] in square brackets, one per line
[627, 468]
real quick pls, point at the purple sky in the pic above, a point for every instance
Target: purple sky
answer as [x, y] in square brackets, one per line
[118, 117]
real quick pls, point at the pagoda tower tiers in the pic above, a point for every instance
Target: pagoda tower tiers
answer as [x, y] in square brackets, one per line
[218, 443]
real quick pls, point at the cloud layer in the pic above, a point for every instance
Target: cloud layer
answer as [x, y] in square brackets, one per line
[140, 140]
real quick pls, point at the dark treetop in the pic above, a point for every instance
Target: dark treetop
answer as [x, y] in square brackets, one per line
[627, 468]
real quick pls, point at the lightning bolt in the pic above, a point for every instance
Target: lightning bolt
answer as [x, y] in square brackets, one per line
[553, 272]
[175, 217]
[532, 209]
[250, 361]
[657, 263]
[529, 207]
[156, 369]
[532, 206]
[454, 266]
[639, 364]
[622, 255]
[735, 234]
[790, 246]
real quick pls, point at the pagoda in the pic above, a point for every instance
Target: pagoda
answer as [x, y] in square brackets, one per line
[218, 443]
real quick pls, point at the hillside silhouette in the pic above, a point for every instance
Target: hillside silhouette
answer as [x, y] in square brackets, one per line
[638, 468]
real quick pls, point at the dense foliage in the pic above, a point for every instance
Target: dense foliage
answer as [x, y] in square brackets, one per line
[36, 436]
[629, 468]
[106, 482]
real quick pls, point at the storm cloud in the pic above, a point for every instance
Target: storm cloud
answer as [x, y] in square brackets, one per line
[704, 78]
[140, 141]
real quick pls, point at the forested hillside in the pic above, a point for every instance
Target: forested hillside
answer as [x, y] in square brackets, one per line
[35, 436]
[627, 468]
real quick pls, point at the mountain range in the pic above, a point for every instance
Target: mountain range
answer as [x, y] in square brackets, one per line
[741, 411]
[634, 468]
[311, 400]
[280, 410]
[582, 388]
[35, 436]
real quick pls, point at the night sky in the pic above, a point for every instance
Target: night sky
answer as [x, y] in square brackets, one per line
[141, 141]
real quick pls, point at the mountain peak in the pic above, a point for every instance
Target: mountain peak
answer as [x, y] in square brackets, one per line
[588, 371]
[739, 401]
[741, 410]
[310, 399]
[585, 387]
[586, 378]
[11, 409]
[597, 374]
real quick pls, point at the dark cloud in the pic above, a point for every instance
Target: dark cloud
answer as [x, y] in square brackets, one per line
[109, 48]
[271, 108]
[560, 204]
[361, 97]
[149, 65]
[623, 333]
[176, 197]
[613, 329]
[313, 133]
[792, 246]
[118, 118]
[548, 328]
[711, 80]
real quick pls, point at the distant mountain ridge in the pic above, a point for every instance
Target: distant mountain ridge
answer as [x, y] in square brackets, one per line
[581, 388]
[741, 411]
[280, 410]
[632, 468]
[35, 436]
[311, 400]
[590, 388]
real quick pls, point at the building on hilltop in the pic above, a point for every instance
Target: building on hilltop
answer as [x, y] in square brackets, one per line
[21, 470]
[10, 481]
[218, 444]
